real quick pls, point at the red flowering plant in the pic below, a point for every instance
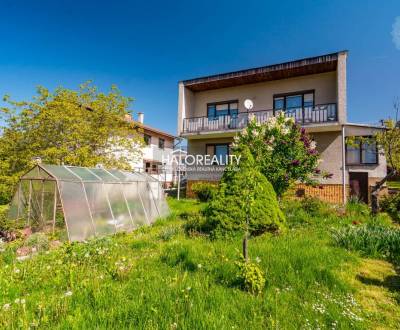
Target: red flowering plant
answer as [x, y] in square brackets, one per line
[284, 151]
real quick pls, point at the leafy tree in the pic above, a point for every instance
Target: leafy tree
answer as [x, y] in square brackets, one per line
[83, 128]
[389, 141]
[284, 152]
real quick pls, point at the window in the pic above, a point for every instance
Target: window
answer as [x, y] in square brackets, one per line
[220, 150]
[229, 108]
[154, 168]
[161, 143]
[359, 153]
[147, 168]
[147, 139]
[294, 100]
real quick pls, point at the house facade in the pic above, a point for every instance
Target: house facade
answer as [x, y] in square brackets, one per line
[312, 91]
[158, 148]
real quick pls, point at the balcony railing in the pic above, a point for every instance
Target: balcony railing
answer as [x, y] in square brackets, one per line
[323, 113]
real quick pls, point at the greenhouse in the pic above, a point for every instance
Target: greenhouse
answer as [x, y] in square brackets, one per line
[86, 202]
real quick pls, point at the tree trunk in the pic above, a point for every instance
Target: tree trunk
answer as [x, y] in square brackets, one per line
[375, 192]
[375, 202]
[245, 254]
[246, 236]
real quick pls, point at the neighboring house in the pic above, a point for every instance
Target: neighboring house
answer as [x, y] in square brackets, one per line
[158, 148]
[312, 90]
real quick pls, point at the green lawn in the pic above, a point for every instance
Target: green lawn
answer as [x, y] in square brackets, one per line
[160, 278]
[394, 184]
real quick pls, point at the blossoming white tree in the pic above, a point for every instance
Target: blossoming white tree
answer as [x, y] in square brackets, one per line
[284, 151]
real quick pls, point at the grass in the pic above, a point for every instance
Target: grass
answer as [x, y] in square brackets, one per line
[394, 184]
[159, 278]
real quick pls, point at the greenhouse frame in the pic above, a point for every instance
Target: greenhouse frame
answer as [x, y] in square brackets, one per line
[93, 202]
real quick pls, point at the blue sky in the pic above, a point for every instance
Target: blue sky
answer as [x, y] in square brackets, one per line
[146, 47]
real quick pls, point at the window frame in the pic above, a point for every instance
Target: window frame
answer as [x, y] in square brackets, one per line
[161, 145]
[360, 150]
[285, 95]
[214, 145]
[229, 102]
[148, 142]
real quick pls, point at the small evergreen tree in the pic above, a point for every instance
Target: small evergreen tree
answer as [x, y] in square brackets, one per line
[245, 201]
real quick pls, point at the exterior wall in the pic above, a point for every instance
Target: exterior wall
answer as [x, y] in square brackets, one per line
[325, 85]
[329, 146]
[342, 87]
[185, 104]
[153, 153]
[375, 171]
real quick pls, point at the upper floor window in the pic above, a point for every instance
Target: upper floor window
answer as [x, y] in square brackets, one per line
[215, 110]
[147, 139]
[362, 152]
[161, 143]
[294, 100]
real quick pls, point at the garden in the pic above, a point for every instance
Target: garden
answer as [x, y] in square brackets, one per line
[331, 268]
[245, 254]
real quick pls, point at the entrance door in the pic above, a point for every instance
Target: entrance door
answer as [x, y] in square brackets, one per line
[359, 185]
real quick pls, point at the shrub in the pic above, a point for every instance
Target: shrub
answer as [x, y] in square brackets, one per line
[168, 233]
[244, 195]
[38, 241]
[315, 207]
[250, 277]
[373, 240]
[4, 222]
[355, 207]
[204, 191]
[391, 205]
[196, 223]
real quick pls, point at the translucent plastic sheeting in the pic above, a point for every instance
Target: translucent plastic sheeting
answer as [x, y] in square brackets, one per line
[76, 211]
[159, 198]
[93, 201]
[60, 172]
[84, 174]
[135, 204]
[119, 207]
[100, 209]
[148, 202]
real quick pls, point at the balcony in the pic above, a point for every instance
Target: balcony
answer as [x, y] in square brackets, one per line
[318, 114]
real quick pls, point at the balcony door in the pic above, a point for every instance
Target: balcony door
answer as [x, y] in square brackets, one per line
[289, 101]
[297, 105]
[222, 109]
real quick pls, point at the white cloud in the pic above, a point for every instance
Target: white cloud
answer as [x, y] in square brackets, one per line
[396, 32]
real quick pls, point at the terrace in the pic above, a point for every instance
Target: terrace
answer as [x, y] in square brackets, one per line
[318, 114]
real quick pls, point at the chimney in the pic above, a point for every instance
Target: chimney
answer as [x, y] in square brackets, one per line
[140, 117]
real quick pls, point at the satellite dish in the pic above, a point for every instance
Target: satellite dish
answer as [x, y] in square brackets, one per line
[248, 104]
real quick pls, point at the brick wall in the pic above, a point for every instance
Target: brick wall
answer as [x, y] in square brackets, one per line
[331, 193]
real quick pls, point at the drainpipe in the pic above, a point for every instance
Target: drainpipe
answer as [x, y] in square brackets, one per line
[344, 164]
